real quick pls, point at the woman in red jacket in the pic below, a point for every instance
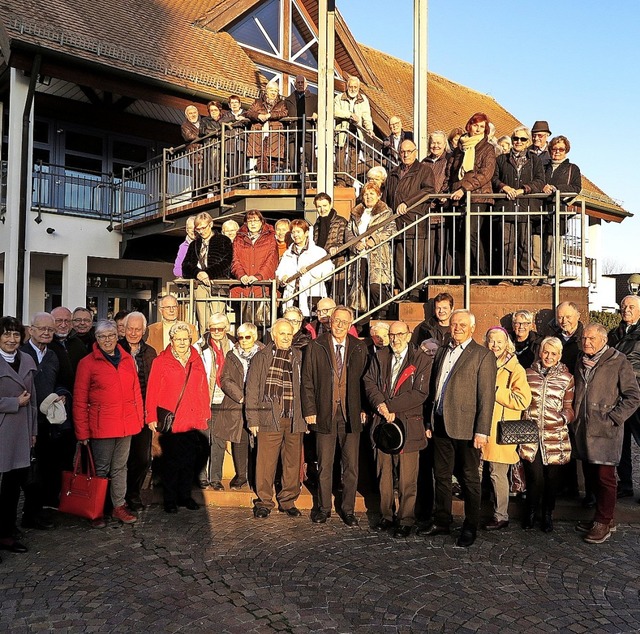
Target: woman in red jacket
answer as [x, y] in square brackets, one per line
[107, 410]
[178, 370]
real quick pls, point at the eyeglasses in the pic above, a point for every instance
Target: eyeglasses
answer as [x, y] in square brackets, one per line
[560, 150]
[294, 321]
[521, 324]
[169, 307]
[244, 337]
[43, 328]
[110, 337]
[324, 311]
[524, 139]
[182, 340]
[406, 151]
[341, 322]
[82, 320]
[59, 320]
[214, 329]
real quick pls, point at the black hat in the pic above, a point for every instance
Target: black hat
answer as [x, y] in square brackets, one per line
[540, 126]
[389, 437]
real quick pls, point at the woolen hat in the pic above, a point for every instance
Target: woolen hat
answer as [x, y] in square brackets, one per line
[389, 437]
[540, 126]
[53, 408]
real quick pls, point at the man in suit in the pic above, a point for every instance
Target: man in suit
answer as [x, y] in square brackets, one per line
[158, 333]
[391, 143]
[460, 409]
[397, 384]
[333, 367]
[301, 102]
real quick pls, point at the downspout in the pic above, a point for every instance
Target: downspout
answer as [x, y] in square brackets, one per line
[24, 174]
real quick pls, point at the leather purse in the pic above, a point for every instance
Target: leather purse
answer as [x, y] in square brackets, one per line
[166, 416]
[83, 493]
[517, 432]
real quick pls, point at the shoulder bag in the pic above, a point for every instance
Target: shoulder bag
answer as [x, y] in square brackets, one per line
[166, 416]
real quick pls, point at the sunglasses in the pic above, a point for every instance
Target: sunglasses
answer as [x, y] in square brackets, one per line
[217, 329]
[243, 337]
[524, 139]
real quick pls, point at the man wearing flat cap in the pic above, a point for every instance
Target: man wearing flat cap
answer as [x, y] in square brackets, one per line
[397, 385]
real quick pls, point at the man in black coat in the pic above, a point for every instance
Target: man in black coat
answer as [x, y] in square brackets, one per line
[301, 102]
[208, 258]
[626, 338]
[397, 385]
[391, 143]
[333, 367]
[406, 184]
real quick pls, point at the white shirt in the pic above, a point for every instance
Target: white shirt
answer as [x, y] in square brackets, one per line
[40, 353]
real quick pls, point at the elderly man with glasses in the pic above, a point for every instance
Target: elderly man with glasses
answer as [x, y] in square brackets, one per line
[82, 322]
[158, 333]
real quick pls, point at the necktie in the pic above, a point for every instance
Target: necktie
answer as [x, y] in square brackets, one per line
[339, 362]
[395, 369]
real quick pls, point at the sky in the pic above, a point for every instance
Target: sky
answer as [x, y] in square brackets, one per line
[573, 64]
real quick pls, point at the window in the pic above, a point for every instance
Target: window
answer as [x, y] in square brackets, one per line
[260, 29]
[304, 44]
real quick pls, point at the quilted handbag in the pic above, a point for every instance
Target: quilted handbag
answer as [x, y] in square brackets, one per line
[83, 494]
[517, 432]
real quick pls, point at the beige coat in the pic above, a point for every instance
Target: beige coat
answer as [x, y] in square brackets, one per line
[513, 396]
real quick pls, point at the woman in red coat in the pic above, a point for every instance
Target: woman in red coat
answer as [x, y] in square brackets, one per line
[107, 410]
[179, 366]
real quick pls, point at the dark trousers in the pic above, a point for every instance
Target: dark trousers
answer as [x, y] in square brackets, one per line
[603, 478]
[287, 446]
[625, 470]
[479, 242]
[217, 447]
[410, 260]
[240, 455]
[407, 466]
[424, 501]
[349, 443]
[446, 452]
[543, 482]
[9, 497]
[179, 458]
[138, 463]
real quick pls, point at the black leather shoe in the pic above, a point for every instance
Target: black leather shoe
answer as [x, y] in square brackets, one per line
[260, 512]
[217, 486]
[466, 539]
[14, 547]
[547, 523]
[237, 485]
[351, 520]
[39, 523]
[383, 525]
[203, 484]
[433, 530]
[170, 508]
[136, 505]
[624, 493]
[402, 531]
[529, 520]
[190, 504]
[496, 525]
[291, 512]
[319, 517]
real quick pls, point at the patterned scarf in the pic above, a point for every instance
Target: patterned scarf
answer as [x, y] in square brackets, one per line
[280, 382]
[219, 359]
[590, 362]
[519, 159]
[245, 357]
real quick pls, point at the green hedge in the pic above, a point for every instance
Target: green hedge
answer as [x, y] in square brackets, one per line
[608, 320]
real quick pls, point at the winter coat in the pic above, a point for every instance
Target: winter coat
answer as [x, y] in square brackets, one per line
[107, 402]
[438, 167]
[530, 178]
[177, 265]
[17, 424]
[513, 396]
[335, 238]
[69, 354]
[628, 343]
[430, 329]
[477, 180]
[602, 405]
[408, 189]
[291, 263]
[552, 408]
[203, 346]
[265, 140]
[261, 412]
[379, 260]
[527, 350]
[407, 398]
[571, 348]
[191, 134]
[219, 258]
[317, 382]
[565, 178]
[343, 108]
[259, 258]
[165, 384]
[143, 360]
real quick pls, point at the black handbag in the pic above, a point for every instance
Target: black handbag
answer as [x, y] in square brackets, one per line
[517, 432]
[166, 416]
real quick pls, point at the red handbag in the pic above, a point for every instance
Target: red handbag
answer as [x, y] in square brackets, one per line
[83, 494]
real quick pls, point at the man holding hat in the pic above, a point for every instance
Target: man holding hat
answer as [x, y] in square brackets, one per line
[539, 135]
[397, 385]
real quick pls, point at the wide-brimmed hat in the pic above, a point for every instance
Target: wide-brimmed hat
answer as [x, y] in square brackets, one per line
[389, 437]
[540, 126]
[53, 408]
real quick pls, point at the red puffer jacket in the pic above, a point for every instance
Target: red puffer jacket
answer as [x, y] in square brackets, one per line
[107, 402]
[259, 259]
[164, 387]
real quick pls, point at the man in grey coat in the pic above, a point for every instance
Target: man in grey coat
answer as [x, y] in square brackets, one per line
[606, 395]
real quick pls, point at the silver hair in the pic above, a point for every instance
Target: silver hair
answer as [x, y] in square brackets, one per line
[40, 314]
[137, 314]
[522, 127]
[379, 325]
[248, 327]
[163, 297]
[346, 309]
[377, 170]
[218, 318]
[553, 342]
[104, 325]
[527, 314]
[445, 138]
[599, 328]
[294, 309]
[511, 347]
[179, 325]
[472, 317]
[281, 320]
[230, 223]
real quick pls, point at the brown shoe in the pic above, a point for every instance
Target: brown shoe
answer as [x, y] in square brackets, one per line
[585, 527]
[598, 534]
[122, 513]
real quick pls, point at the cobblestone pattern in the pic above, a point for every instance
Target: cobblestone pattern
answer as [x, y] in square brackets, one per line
[220, 570]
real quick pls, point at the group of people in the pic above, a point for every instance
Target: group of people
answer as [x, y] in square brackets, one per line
[432, 412]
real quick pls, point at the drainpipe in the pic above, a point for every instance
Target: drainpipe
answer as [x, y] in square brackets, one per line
[24, 175]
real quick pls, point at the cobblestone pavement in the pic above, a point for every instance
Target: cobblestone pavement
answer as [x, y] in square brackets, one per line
[220, 570]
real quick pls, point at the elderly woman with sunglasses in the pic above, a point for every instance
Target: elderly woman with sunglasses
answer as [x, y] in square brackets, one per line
[108, 411]
[517, 174]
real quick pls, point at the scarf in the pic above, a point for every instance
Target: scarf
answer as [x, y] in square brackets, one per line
[519, 159]
[113, 359]
[245, 357]
[590, 362]
[218, 353]
[468, 145]
[555, 165]
[279, 385]
[324, 223]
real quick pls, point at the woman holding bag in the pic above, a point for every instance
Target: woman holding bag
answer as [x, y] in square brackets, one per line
[178, 372]
[107, 411]
[512, 398]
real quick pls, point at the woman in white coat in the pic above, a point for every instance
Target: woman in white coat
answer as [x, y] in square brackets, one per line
[299, 258]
